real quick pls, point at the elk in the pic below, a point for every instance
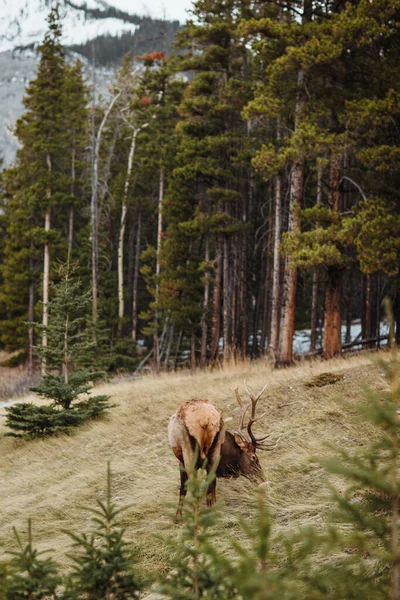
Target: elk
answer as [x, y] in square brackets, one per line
[198, 423]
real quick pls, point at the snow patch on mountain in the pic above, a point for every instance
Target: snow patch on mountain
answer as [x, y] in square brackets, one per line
[23, 22]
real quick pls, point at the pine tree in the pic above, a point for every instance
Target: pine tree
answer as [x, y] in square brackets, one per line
[67, 337]
[103, 560]
[31, 577]
[197, 570]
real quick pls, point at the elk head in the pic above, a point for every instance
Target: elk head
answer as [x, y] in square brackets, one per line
[238, 452]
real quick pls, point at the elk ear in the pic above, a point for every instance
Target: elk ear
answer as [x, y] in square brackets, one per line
[241, 442]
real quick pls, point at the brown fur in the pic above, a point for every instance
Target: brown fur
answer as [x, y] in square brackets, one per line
[203, 421]
[196, 422]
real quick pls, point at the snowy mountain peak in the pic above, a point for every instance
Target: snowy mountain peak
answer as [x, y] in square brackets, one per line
[23, 22]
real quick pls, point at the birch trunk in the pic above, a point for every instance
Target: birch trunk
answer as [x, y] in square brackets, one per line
[159, 238]
[46, 269]
[136, 279]
[94, 211]
[121, 304]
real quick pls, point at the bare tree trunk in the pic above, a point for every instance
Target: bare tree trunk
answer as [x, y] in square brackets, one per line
[192, 352]
[159, 237]
[178, 346]
[243, 301]
[71, 208]
[226, 302]
[349, 306]
[204, 328]
[234, 294]
[31, 316]
[169, 347]
[46, 270]
[131, 254]
[332, 321]
[333, 294]
[269, 277]
[285, 351]
[314, 295]
[136, 279]
[121, 304]
[216, 317]
[369, 310]
[273, 339]
[94, 209]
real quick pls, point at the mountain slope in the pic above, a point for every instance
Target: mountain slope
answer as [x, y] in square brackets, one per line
[23, 22]
[22, 28]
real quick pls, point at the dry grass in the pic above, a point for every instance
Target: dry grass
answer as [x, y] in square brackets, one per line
[49, 480]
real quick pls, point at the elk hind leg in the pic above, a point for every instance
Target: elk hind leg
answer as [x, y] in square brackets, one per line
[211, 492]
[182, 490]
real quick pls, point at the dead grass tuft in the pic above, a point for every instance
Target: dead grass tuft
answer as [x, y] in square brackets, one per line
[50, 480]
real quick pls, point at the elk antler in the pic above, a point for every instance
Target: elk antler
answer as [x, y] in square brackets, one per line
[257, 442]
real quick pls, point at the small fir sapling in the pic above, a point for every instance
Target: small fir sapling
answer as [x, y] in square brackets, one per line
[30, 576]
[197, 569]
[104, 562]
[66, 340]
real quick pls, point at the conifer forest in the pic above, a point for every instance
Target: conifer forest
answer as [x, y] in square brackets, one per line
[217, 198]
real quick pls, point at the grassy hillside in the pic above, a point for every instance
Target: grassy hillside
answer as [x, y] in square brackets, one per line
[49, 480]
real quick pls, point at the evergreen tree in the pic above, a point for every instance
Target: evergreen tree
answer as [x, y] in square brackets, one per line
[103, 560]
[67, 345]
[31, 576]
[47, 176]
[197, 569]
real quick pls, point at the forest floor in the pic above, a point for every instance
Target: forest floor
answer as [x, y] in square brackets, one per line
[50, 480]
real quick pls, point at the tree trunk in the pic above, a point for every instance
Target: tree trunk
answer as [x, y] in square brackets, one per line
[234, 295]
[204, 328]
[94, 211]
[31, 316]
[216, 316]
[71, 208]
[349, 315]
[192, 352]
[136, 279]
[332, 321]
[131, 254]
[333, 294]
[169, 347]
[226, 303]
[46, 269]
[178, 346]
[159, 238]
[285, 350]
[46, 275]
[243, 301]
[269, 279]
[121, 305]
[314, 295]
[274, 336]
